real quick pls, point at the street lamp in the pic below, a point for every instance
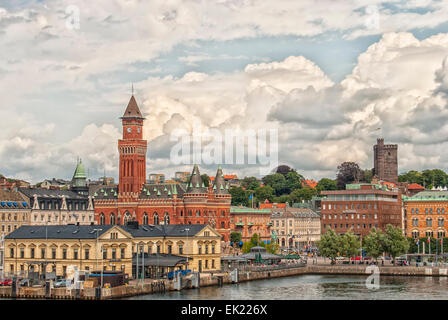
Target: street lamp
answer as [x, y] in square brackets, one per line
[97, 230]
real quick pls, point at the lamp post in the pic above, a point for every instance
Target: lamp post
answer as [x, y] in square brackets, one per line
[97, 230]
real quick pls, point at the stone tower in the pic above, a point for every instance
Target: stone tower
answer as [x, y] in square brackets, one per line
[79, 180]
[385, 161]
[132, 150]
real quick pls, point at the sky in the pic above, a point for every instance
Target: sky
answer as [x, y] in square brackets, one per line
[329, 77]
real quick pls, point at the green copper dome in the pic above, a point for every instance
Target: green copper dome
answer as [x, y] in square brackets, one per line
[80, 172]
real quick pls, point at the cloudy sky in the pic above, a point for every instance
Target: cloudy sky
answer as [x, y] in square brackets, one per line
[326, 74]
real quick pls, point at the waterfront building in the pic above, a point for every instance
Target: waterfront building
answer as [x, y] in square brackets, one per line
[58, 207]
[166, 248]
[54, 248]
[14, 211]
[360, 208]
[111, 248]
[426, 214]
[295, 227]
[385, 161]
[249, 221]
[135, 200]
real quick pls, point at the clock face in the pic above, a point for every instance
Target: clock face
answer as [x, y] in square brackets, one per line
[129, 129]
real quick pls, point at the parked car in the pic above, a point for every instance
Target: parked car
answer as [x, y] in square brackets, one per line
[61, 283]
[6, 282]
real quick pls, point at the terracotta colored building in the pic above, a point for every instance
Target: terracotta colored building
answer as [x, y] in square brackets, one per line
[361, 207]
[135, 200]
[249, 221]
[425, 214]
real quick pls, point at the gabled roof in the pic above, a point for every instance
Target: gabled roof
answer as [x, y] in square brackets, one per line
[170, 230]
[415, 186]
[132, 110]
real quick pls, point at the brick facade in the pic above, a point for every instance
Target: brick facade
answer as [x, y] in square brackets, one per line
[360, 208]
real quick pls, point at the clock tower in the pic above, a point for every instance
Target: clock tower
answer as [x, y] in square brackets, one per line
[132, 150]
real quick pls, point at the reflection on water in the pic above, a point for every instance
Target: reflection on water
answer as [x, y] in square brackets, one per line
[317, 287]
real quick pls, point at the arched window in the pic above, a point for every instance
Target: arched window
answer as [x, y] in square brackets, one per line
[223, 225]
[126, 218]
[181, 213]
[198, 213]
[145, 218]
[156, 218]
[189, 213]
[166, 219]
[102, 218]
[112, 218]
[119, 220]
[223, 213]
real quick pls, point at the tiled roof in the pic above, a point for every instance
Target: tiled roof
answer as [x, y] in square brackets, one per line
[415, 186]
[171, 230]
[50, 193]
[162, 191]
[58, 232]
[132, 110]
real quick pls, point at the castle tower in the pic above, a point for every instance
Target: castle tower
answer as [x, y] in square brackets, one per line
[385, 161]
[132, 150]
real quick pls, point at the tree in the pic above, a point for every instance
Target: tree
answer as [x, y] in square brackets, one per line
[239, 196]
[348, 172]
[235, 237]
[282, 199]
[263, 193]
[373, 244]
[329, 245]
[293, 181]
[298, 195]
[349, 245]
[366, 175]
[205, 179]
[326, 184]
[395, 242]
[250, 183]
[277, 181]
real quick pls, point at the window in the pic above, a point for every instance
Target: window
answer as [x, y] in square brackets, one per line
[199, 249]
[122, 252]
[213, 249]
[166, 218]
[104, 253]
[213, 263]
[181, 249]
[75, 254]
[53, 253]
[158, 249]
[429, 222]
[86, 254]
[206, 264]
[64, 255]
[169, 248]
[206, 249]
[22, 253]
[156, 218]
[145, 218]
[441, 220]
[114, 253]
[32, 253]
[42, 253]
[223, 225]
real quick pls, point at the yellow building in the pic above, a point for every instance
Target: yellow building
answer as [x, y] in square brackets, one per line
[164, 248]
[177, 246]
[54, 248]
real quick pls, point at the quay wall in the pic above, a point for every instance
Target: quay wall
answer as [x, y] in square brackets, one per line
[217, 279]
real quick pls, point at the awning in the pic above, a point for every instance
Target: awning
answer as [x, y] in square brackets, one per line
[161, 260]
